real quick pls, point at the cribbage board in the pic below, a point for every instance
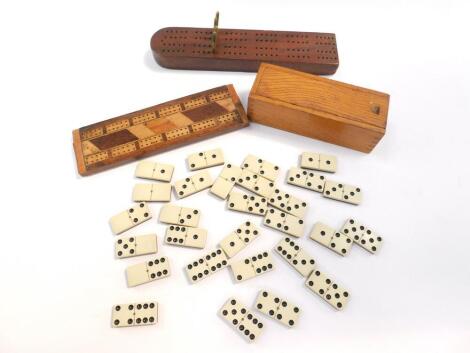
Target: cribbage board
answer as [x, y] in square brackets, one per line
[192, 48]
[244, 50]
[158, 128]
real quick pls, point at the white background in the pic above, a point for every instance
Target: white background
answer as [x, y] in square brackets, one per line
[67, 64]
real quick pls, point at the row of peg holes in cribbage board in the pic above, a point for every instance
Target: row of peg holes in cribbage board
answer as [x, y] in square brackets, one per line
[267, 44]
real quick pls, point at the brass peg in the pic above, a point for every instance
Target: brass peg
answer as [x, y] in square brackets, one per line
[215, 31]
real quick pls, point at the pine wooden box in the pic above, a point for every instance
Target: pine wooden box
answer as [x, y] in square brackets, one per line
[319, 108]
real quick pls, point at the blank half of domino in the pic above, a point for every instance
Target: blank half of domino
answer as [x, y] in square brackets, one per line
[160, 192]
[148, 271]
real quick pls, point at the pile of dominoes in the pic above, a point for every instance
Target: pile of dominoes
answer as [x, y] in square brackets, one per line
[280, 211]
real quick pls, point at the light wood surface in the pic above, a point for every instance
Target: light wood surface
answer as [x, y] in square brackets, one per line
[318, 107]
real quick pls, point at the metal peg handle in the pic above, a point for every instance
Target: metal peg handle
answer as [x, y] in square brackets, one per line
[215, 31]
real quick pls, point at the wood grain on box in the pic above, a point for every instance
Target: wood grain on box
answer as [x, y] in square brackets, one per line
[155, 129]
[244, 50]
[318, 107]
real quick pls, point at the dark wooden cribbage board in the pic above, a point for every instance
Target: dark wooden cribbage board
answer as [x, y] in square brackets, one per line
[155, 129]
[244, 50]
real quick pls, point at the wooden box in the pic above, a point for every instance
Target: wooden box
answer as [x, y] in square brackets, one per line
[157, 129]
[244, 50]
[319, 108]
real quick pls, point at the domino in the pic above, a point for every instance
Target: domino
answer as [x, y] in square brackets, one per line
[306, 179]
[154, 171]
[255, 183]
[288, 203]
[193, 184]
[241, 319]
[135, 314]
[322, 233]
[225, 181]
[186, 236]
[252, 266]
[273, 306]
[130, 218]
[333, 240]
[230, 172]
[206, 265]
[248, 179]
[152, 192]
[148, 271]
[182, 216]
[362, 236]
[342, 192]
[136, 246]
[302, 262]
[221, 188]
[261, 167]
[205, 159]
[318, 161]
[324, 286]
[236, 241]
[252, 204]
[284, 222]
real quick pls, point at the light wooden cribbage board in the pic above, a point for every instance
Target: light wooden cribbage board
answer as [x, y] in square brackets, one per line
[155, 129]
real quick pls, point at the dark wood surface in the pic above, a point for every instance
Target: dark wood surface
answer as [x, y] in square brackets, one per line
[158, 128]
[318, 107]
[244, 50]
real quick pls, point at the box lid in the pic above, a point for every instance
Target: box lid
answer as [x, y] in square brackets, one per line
[322, 95]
